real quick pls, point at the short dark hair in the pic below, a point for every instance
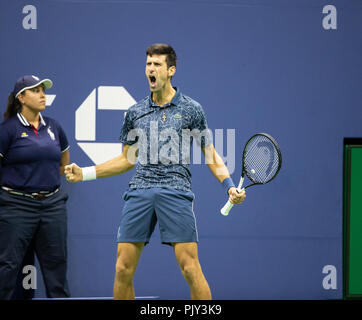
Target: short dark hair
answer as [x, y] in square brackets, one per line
[162, 48]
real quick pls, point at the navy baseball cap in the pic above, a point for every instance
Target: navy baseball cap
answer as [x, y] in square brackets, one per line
[28, 82]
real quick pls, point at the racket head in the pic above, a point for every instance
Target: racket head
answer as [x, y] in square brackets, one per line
[262, 159]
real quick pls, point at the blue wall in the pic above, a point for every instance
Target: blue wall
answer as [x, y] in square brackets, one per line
[255, 66]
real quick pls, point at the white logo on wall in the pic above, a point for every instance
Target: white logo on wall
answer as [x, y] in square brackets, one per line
[30, 20]
[49, 98]
[330, 280]
[105, 98]
[330, 20]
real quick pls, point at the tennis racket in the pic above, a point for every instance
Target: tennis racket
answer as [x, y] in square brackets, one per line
[261, 163]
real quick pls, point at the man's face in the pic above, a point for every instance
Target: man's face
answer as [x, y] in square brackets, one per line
[157, 72]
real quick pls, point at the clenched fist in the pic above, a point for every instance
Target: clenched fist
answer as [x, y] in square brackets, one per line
[236, 197]
[73, 173]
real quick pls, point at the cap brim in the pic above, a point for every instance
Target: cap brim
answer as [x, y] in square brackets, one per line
[46, 82]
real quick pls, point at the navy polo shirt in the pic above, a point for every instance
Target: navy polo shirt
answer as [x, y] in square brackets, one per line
[30, 158]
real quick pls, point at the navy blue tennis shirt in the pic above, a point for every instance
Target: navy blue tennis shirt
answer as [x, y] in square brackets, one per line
[165, 136]
[30, 158]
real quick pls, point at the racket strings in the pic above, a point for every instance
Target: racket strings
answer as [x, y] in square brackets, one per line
[264, 164]
[261, 159]
[260, 170]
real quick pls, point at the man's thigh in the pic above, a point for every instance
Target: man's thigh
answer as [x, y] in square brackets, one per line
[138, 218]
[175, 215]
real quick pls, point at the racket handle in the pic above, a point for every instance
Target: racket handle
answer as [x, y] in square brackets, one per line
[228, 205]
[226, 208]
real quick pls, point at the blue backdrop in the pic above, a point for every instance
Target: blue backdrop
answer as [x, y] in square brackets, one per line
[269, 66]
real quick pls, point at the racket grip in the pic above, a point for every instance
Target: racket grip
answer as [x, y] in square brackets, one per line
[226, 208]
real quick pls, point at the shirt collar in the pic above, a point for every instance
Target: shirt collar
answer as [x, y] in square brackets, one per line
[26, 123]
[174, 100]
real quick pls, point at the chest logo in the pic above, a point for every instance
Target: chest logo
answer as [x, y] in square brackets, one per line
[164, 117]
[177, 116]
[51, 134]
[24, 135]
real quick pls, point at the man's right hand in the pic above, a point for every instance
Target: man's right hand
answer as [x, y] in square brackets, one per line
[73, 173]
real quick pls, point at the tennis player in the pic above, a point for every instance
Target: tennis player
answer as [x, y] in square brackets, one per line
[160, 191]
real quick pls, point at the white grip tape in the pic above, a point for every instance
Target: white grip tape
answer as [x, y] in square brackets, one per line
[89, 173]
[226, 208]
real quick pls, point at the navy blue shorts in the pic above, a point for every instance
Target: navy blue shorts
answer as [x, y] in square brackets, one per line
[171, 208]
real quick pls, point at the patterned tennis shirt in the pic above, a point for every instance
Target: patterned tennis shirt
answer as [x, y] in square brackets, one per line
[165, 138]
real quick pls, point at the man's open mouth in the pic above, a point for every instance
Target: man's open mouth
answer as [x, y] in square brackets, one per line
[152, 80]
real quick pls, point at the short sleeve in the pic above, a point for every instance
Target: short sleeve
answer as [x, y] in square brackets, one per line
[63, 141]
[125, 136]
[64, 145]
[200, 130]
